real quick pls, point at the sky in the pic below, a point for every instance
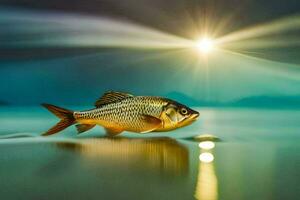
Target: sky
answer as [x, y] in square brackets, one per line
[70, 53]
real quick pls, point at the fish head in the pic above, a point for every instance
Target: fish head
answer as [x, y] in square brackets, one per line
[176, 115]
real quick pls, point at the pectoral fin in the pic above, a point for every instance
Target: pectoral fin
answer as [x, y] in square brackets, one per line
[150, 123]
[84, 127]
[113, 131]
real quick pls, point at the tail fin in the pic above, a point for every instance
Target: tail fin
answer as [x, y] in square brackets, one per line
[66, 116]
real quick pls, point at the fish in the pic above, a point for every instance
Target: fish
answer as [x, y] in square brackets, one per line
[118, 111]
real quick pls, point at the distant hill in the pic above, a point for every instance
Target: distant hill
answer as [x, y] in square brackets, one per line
[280, 102]
[269, 102]
[3, 103]
[187, 100]
[183, 98]
[255, 101]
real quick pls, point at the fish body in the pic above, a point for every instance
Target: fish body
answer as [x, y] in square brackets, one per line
[130, 114]
[118, 112]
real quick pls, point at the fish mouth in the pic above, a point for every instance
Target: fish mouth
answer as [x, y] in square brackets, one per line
[195, 115]
[192, 118]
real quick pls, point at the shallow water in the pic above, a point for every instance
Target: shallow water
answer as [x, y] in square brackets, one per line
[257, 157]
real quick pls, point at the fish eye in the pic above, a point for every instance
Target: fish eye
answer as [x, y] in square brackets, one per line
[183, 111]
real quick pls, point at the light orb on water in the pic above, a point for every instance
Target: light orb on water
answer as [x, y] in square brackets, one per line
[205, 45]
[206, 157]
[207, 145]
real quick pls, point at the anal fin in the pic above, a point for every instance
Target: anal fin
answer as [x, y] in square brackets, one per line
[113, 131]
[84, 127]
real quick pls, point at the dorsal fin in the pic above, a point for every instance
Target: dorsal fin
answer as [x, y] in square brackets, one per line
[111, 97]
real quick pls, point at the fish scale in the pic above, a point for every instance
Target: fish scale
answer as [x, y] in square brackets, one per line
[126, 113]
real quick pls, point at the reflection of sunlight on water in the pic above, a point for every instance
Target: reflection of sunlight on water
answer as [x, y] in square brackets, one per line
[206, 157]
[207, 184]
[206, 145]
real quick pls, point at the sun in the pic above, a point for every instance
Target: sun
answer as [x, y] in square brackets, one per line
[205, 45]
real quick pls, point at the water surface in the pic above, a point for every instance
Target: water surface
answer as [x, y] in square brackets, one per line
[257, 157]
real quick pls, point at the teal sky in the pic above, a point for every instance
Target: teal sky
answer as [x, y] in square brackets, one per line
[71, 55]
[81, 79]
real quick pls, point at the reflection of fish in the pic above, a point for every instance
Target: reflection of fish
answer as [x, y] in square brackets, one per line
[118, 112]
[152, 153]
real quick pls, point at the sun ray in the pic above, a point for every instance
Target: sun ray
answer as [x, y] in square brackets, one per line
[290, 71]
[37, 29]
[278, 26]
